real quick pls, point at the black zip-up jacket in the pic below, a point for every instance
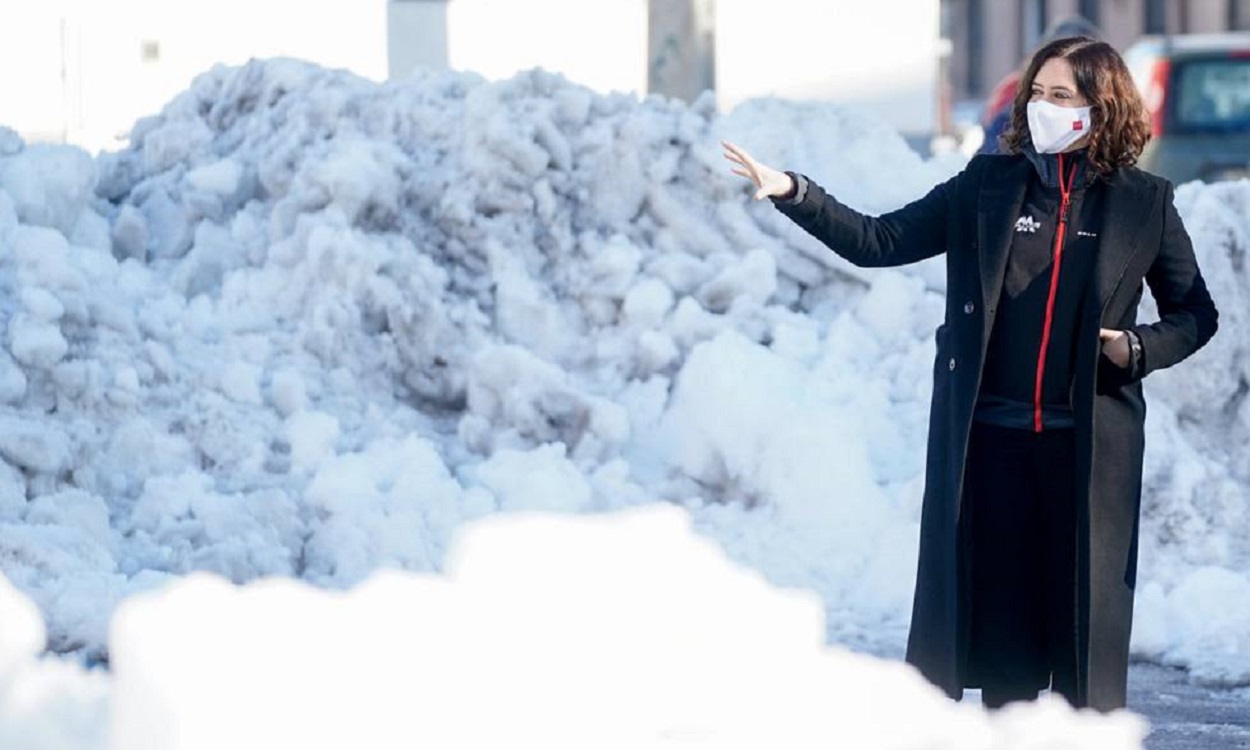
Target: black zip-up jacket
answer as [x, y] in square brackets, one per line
[1032, 348]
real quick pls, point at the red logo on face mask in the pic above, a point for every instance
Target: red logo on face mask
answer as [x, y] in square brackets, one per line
[1078, 125]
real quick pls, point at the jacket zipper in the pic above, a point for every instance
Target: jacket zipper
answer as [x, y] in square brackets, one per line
[1065, 201]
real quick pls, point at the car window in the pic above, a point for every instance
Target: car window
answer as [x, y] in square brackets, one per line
[1213, 95]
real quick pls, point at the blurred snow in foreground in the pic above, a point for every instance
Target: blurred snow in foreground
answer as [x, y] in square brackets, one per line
[621, 630]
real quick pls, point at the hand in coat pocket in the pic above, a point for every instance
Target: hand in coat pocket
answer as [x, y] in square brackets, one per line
[1115, 346]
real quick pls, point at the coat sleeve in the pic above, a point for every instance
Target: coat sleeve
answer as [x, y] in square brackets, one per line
[912, 233]
[1187, 315]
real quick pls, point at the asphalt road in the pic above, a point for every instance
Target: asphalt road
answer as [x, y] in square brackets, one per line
[1188, 717]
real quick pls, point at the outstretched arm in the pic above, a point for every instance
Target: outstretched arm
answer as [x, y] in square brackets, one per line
[914, 232]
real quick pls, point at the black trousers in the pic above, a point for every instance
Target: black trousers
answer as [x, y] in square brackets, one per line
[1019, 528]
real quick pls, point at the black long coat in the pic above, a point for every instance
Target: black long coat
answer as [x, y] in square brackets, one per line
[970, 218]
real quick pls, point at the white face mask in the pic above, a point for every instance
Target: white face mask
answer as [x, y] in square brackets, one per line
[1054, 128]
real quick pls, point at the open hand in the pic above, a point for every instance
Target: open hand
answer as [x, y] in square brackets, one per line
[1115, 346]
[770, 183]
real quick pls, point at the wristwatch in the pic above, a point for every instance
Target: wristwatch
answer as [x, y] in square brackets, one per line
[1134, 353]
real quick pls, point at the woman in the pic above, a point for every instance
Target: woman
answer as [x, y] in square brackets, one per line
[1028, 542]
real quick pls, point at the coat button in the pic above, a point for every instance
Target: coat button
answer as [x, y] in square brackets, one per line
[969, 307]
[951, 365]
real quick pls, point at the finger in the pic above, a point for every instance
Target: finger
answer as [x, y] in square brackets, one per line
[740, 152]
[743, 173]
[1106, 334]
[761, 194]
[736, 159]
[753, 173]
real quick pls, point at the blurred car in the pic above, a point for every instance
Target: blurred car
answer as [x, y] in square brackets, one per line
[1197, 90]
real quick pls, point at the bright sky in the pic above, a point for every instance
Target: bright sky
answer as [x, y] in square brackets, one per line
[74, 69]
[81, 66]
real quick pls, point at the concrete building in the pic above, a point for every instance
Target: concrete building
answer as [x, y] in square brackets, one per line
[990, 37]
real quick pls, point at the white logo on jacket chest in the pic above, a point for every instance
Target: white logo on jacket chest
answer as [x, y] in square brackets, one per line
[1027, 224]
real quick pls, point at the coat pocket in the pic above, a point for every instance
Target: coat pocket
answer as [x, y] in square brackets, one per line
[1111, 377]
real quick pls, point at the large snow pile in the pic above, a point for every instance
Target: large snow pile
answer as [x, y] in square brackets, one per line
[546, 631]
[308, 325]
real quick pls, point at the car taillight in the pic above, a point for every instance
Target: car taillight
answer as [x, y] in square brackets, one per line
[1156, 95]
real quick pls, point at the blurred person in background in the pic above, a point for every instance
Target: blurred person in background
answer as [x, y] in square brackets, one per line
[1029, 524]
[998, 105]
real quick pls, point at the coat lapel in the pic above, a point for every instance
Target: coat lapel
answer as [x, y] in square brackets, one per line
[1129, 202]
[1002, 197]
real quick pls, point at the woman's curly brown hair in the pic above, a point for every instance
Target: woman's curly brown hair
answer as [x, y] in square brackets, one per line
[1120, 125]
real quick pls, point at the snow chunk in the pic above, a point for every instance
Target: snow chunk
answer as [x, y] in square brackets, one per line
[51, 185]
[219, 178]
[541, 479]
[311, 436]
[656, 351]
[44, 259]
[168, 223]
[288, 393]
[12, 380]
[514, 397]
[33, 445]
[130, 234]
[240, 382]
[751, 281]
[42, 304]
[394, 503]
[613, 267]
[647, 303]
[171, 142]
[184, 523]
[1206, 625]
[76, 509]
[36, 343]
[12, 493]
